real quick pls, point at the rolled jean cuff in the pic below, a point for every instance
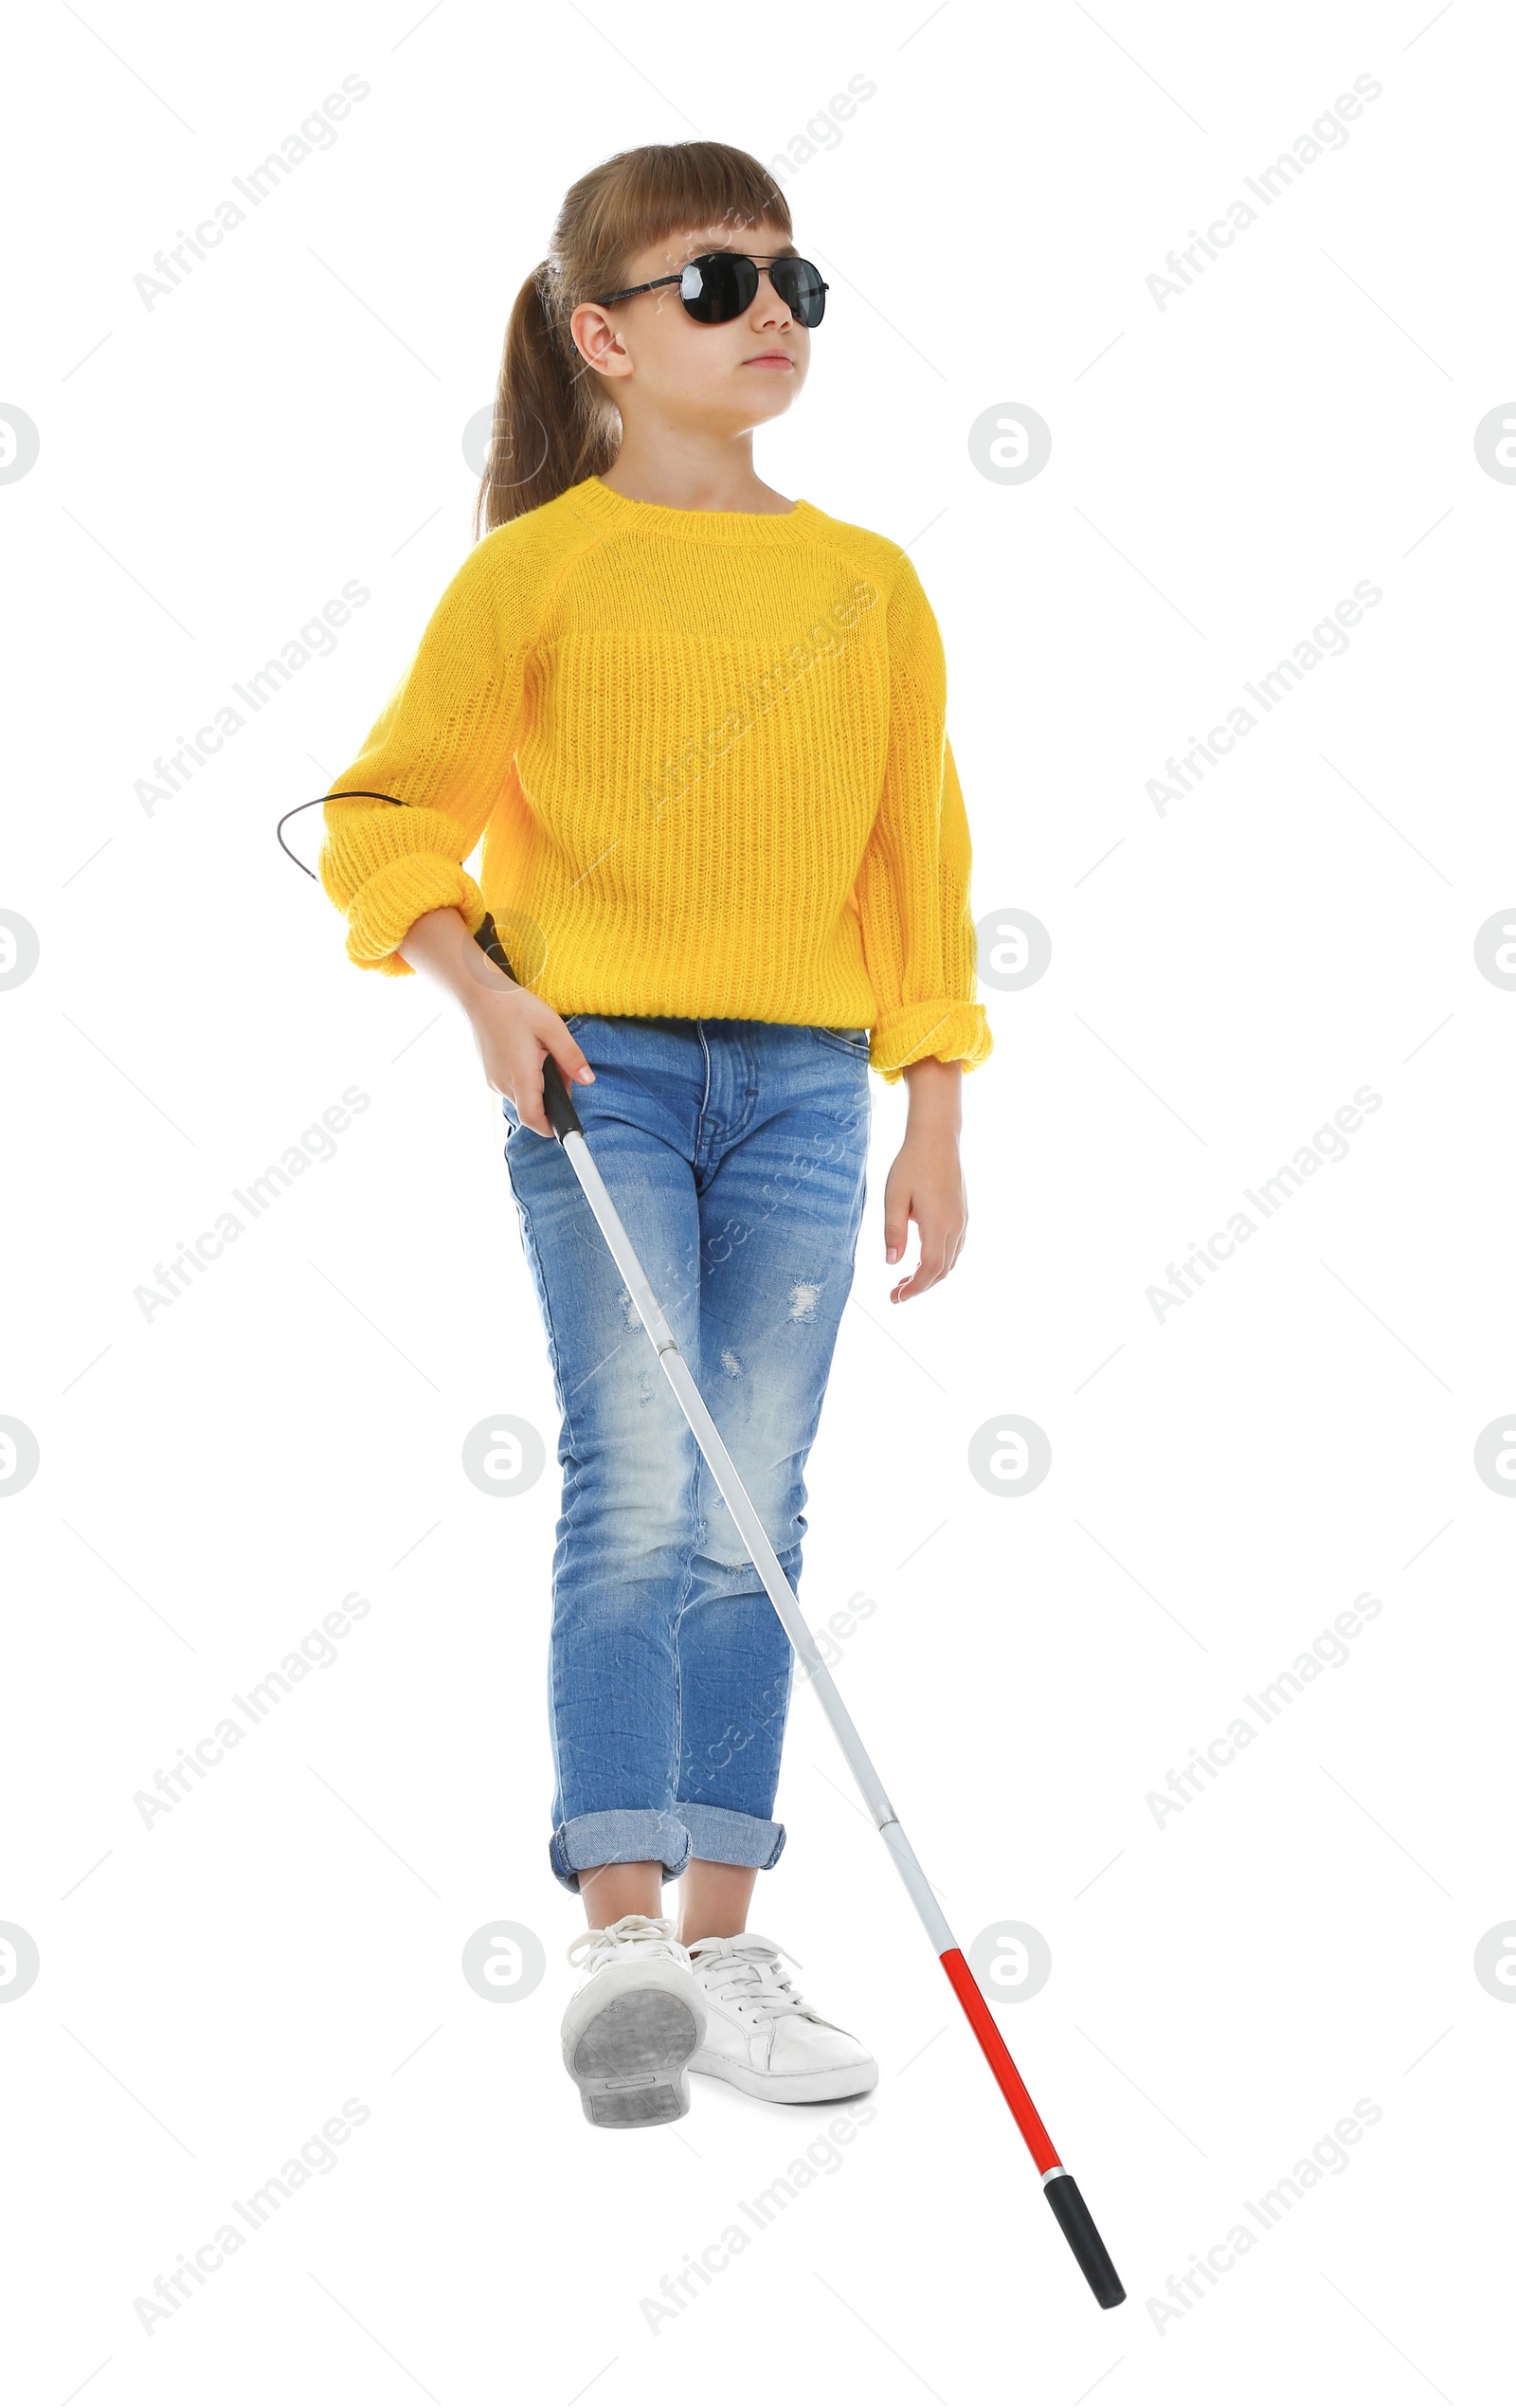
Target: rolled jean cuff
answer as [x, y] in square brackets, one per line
[723, 1837]
[621, 1836]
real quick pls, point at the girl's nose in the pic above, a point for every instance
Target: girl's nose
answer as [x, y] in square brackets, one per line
[776, 302]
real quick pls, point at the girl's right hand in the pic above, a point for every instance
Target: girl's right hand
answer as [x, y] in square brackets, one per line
[515, 1031]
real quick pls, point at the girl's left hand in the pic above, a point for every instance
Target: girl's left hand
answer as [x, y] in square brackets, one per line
[926, 1186]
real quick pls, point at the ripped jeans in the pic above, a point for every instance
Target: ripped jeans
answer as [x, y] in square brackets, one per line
[735, 1152]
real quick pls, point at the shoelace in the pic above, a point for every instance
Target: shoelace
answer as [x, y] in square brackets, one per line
[646, 1935]
[753, 1976]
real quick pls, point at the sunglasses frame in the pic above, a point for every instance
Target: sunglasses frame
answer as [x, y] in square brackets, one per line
[755, 259]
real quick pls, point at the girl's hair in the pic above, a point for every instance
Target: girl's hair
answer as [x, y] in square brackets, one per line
[554, 423]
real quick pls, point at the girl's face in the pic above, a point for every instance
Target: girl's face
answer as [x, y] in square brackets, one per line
[652, 351]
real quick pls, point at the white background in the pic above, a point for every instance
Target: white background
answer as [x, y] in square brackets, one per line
[1224, 1481]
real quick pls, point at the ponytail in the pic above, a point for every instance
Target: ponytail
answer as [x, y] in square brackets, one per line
[553, 426]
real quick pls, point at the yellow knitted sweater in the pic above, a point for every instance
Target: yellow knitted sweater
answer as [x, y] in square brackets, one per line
[707, 752]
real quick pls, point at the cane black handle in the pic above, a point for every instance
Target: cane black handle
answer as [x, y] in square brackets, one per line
[557, 1101]
[1078, 2228]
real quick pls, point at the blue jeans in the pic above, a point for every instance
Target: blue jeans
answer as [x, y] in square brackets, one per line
[735, 1152]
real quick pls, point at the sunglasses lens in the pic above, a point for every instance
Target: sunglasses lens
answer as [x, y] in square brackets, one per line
[799, 286]
[717, 286]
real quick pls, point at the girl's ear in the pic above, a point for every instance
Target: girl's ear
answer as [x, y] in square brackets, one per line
[595, 338]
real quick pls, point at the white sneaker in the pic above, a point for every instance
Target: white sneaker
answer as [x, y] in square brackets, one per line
[761, 2035]
[632, 2025]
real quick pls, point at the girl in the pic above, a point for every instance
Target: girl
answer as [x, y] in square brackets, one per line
[701, 730]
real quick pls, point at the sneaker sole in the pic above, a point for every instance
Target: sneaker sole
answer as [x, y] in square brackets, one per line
[630, 2060]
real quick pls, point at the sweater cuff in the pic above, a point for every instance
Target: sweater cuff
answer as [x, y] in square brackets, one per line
[388, 905]
[947, 1031]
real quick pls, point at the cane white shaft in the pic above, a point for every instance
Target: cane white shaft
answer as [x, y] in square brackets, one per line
[755, 1538]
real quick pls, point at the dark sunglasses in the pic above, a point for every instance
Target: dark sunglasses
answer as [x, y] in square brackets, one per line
[721, 285]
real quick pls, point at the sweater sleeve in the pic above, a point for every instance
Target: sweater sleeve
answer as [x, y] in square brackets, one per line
[920, 940]
[442, 747]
